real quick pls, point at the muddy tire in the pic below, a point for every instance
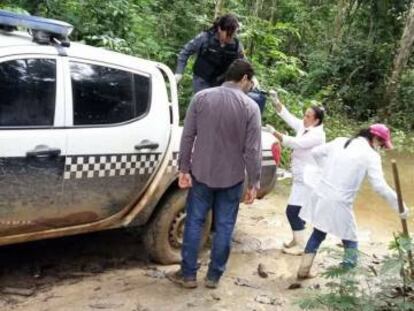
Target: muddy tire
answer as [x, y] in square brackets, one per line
[163, 235]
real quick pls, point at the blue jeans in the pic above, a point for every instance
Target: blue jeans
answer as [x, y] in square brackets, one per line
[224, 203]
[259, 97]
[292, 213]
[200, 84]
[351, 248]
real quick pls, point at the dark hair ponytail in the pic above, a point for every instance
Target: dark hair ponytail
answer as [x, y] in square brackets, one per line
[366, 133]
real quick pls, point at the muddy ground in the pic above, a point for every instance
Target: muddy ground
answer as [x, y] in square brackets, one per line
[110, 270]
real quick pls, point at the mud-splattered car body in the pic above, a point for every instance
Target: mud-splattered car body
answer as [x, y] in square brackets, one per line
[89, 139]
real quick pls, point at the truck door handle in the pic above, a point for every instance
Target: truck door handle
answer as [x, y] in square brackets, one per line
[43, 151]
[146, 144]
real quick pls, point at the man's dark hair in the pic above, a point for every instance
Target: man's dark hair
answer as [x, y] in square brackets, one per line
[238, 69]
[319, 113]
[227, 23]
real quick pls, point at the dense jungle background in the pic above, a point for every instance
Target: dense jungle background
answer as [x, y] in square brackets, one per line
[352, 56]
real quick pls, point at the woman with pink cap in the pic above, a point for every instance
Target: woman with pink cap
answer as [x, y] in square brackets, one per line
[343, 164]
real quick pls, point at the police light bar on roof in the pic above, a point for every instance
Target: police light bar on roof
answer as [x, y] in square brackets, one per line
[50, 27]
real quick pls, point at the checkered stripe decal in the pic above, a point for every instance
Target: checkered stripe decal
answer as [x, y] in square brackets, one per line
[267, 158]
[173, 163]
[98, 166]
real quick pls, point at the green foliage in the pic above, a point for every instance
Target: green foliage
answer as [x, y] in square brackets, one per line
[403, 112]
[337, 55]
[388, 287]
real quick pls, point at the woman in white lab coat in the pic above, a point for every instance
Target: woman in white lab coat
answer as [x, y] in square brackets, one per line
[309, 133]
[344, 163]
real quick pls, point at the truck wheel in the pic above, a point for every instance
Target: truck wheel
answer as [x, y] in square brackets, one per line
[164, 235]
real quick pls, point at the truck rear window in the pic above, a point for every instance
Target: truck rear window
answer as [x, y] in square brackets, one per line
[104, 95]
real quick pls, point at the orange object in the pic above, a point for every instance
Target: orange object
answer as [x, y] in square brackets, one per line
[277, 153]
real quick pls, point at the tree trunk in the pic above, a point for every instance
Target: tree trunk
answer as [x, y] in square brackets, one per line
[339, 24]
[400, 62]
[257, 8]
[219, 8]
[273, 11]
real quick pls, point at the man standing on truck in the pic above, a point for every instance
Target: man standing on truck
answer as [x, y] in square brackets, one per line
[216, 49]
[220, 141]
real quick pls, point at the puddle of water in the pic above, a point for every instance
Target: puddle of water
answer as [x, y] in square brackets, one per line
[376, 220]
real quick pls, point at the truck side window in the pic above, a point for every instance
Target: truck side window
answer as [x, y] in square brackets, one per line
[27, 92]
[103, 95]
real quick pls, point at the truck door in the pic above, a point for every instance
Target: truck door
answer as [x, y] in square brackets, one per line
[32, 143]
[119, 130]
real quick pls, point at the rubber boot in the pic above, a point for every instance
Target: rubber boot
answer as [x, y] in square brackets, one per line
[304, 271]
[298, 244]
[350, 259]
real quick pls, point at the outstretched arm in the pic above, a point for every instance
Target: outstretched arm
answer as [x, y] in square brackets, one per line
[282, 111]
[378, 182]
[189, 49]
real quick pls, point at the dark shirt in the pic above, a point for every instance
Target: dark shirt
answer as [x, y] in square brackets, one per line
[193, 47]
[222, 138]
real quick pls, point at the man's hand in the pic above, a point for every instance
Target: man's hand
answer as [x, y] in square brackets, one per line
[250, 195]
[178, 77]
[184, 180]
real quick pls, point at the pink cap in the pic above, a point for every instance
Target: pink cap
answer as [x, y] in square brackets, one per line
[383, 132]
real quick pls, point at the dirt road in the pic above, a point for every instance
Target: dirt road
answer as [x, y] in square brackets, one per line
[110, 270]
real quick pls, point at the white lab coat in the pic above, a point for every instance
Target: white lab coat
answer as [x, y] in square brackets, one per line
[301, 144]
[330, 205]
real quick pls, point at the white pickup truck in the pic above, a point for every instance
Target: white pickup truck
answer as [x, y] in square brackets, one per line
[89, 141]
